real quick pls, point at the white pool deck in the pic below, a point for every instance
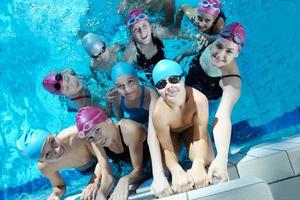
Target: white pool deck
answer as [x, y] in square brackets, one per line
[264, 172]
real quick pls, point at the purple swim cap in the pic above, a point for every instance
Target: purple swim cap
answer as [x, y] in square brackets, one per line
[53, 83]
[211, 7]
[87, 118]
[134, 16]
[234, 32]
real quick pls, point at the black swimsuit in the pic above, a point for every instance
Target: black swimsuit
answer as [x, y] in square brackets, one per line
[198, 79]
[147, 65]
[125, 155]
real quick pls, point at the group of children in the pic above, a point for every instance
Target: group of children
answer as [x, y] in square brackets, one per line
[147, 121]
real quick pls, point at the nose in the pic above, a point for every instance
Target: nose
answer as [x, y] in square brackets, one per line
[220, 54]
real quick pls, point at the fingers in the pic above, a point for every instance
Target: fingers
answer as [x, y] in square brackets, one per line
[210, 174]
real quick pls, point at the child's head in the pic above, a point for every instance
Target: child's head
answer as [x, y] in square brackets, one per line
[95, 47]
[63, 83]
[94, 125]
[125, 78]
[208, 11]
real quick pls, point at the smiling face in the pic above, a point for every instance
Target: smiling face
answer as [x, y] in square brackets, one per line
[128, 86]
[141, 32]
[223, 52]
[71, 85]
[204, 21]
[53, 150]
[102, 134]
[173, 93]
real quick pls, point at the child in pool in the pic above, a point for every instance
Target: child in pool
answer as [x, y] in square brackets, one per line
[136, 102]
[208, 18]
[167, 7]
[184, 120]
[67, 83]
[102, 57]
[145, 48]
[124, 140]
[215, 72]
[56, 152]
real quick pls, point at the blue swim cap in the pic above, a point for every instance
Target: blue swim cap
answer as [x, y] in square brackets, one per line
[121, 69]
[164, 69]
[31, 143]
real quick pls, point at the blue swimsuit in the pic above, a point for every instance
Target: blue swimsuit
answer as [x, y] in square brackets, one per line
[136, 114]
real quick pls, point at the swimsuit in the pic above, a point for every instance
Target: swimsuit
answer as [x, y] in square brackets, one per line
[147, 65]
[140, 114]
[89, 167]
[198, 79]
[125, 155]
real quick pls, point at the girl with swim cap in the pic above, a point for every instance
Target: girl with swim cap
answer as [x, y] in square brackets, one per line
[67, 83]
[57, 152]
[103, 57]
[136, 102]
[124, 140]
[208, 18]
[146, 48]
[215, 72]
[167, 7]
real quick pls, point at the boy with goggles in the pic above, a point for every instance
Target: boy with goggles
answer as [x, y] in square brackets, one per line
[185, 121]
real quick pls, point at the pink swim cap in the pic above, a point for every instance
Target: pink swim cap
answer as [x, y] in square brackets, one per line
[87, 118]
[134, 16]
[53, 83]
[234, 32]
[211, 7]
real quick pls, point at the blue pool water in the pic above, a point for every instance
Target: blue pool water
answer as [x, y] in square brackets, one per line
[39, 35]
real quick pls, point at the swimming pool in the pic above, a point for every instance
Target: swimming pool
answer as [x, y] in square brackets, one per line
[39, 35]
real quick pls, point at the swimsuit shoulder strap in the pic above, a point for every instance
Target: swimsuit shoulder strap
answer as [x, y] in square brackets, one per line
[142, 97]
[231, 75]
[80, 97]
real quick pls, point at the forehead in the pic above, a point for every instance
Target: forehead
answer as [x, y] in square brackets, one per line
[125, 78]
[140, 23]
[205, 16]
[227, 43]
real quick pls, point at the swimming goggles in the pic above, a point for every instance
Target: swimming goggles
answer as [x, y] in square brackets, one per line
[171, 79]
[236, 38]
[103, 49]
[58, 77]
[134, 18]
[206, 4]
[89, 125]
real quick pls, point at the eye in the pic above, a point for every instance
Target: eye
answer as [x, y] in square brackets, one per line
[47, 155]
[229, 52]
[120, 87]
[207, 20]
[98, 130]
[219, 46]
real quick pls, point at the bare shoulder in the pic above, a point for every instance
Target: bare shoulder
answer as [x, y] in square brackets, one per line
[198, 96]
[131, 131]
[130, 52]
